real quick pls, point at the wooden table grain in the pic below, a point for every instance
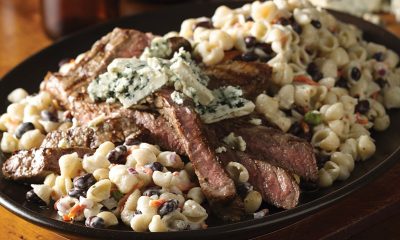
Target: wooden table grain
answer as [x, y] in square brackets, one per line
[372, 212]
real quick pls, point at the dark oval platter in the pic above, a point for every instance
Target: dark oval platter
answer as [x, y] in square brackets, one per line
[29, 74]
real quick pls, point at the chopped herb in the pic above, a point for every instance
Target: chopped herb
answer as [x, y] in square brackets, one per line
[313, 118]
[117, 195]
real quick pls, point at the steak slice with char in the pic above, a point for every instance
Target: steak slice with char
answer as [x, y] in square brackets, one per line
[216, 185]
[73, 137]
[35, 164]
[116, 44]
[252, 77]
[273, 146]
[71, 90]
[276, 185]
[92, 137]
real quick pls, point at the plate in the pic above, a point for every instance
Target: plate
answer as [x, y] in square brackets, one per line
[30, 73]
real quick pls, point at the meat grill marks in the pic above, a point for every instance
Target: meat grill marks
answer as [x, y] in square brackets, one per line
[273, 146]
[252, 77]
[118, 43]
[73, 137]
[71, 89]
[34, 165]
[216, 184]
[182, 131]
[275, 184]
[158, 131]
[119, 122]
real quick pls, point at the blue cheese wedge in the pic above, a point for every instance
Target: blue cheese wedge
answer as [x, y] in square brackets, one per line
[129, 81]
[190, 84]
[228, 103]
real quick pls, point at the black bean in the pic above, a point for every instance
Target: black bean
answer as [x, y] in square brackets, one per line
[49, 116]
[249, 57]
[314, 71]
[362, 107]
[295, 129]
[341, 82]
[155, 166]
[381, 82]
[321, 160]
[117, 155]
[378, 56]
[95, 222]
[152, 191]
[32, 197]
[23, 128]
[175, 43]
[296, 27]
[355, 73]
[316, 23]
[204, 24]
[300, 109]
[249, 18]
[288, 112]
[130, 141]
[68, 116]
[265, 47]
[298, 130]
[243, 188]
[250, 41]
[283, 21]
[266, 58]
[84, 182]
[137, 212]
[167, 207]
[76, 193]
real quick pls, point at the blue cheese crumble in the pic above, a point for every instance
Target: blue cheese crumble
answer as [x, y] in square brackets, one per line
[158, 48]
[130, 80]
[228, 103]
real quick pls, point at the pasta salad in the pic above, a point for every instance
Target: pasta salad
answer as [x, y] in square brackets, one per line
[331, 86]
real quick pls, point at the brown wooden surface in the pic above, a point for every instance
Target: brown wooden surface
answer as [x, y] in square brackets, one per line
[372, 212]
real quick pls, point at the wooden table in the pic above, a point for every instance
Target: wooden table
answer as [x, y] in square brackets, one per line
[372, 212]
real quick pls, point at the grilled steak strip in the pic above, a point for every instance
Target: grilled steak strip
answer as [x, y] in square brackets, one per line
[276, 185]
[273, 146]
[71, 91]
[252, 77]
[118, 43]
[216, 184]
[35, 164]
[73, 137]
[159, 132]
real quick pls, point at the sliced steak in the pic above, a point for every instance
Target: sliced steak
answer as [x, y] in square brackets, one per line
[276, 185]
[35, 164]
[70, 88]
[214, 181]
[118, 43]
[252, 77]
[273, 146]
[159, 132]
[73, 137]
[71, 91]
